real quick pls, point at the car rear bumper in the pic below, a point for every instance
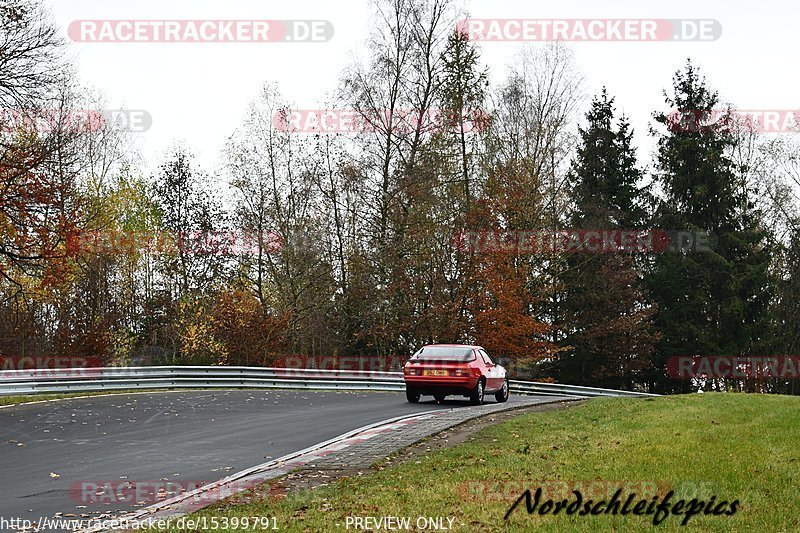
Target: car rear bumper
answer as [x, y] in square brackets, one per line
[441, 385]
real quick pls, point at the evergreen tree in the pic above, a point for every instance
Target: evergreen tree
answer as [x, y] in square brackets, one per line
[606, 316]
[712, 301]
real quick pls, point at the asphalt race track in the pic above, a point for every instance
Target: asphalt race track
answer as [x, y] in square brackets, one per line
[185, 437]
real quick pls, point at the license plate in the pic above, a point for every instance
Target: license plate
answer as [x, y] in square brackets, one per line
[434, 372]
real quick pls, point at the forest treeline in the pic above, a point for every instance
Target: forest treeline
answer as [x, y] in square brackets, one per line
[325, 244]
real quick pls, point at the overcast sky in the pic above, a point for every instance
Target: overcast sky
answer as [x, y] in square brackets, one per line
[198, 93]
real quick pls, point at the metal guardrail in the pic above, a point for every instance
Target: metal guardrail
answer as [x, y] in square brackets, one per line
[532, 387]
[43, 381]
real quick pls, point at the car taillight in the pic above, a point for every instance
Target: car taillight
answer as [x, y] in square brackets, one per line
[462, 372]
[410, 371]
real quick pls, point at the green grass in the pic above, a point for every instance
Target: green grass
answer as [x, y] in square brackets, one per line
[732, 446]
[13, 400]
[27, 398]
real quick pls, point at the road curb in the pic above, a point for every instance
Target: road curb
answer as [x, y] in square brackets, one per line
[331, 450]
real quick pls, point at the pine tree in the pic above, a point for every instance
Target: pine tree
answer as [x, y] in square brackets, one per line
[711, 302]
[606, 316]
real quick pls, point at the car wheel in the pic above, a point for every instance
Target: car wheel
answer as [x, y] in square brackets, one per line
[502, 395]
[439, 397]
[476, 398]
[412, 395]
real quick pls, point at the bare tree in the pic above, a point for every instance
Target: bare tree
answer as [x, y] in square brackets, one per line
[533, 128]
[276, 182]
[396, 92]
[31, 55]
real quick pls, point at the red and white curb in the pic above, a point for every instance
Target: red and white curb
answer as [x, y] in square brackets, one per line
[211, 493]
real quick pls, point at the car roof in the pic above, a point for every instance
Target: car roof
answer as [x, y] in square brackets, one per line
[472, 346]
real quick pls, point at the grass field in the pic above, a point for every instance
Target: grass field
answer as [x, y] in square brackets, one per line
[28, 398]
[732, 446]
[13, 400]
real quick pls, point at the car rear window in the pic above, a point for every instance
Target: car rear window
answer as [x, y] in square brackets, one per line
[445, 353]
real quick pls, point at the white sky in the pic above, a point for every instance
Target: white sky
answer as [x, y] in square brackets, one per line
[198, 93]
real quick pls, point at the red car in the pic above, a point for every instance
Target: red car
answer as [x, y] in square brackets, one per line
[442, 370]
